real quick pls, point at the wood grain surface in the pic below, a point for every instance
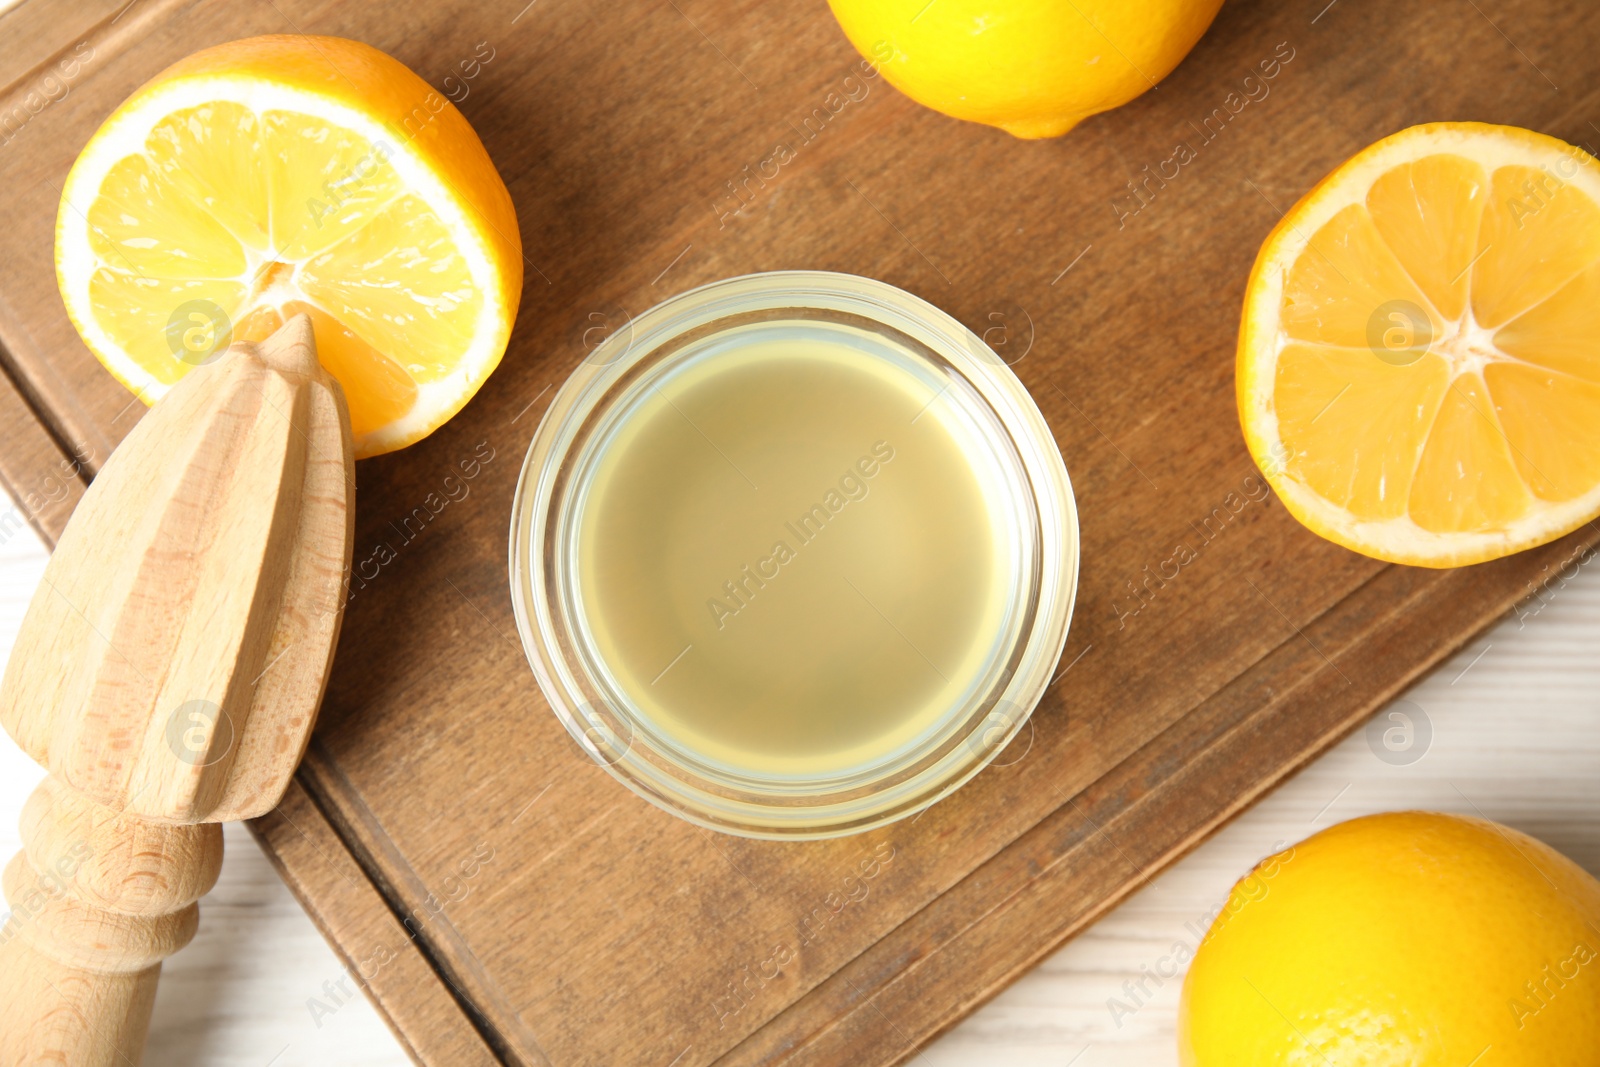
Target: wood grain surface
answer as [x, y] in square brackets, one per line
[570, 922]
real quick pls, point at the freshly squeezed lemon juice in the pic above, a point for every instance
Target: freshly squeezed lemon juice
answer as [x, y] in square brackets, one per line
[792, 553]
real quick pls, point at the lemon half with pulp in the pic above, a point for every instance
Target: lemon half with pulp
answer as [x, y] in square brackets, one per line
[285, 174]
[1419, 363]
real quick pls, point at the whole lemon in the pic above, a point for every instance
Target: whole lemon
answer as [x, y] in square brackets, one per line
[1410, 939]
[1034, 68]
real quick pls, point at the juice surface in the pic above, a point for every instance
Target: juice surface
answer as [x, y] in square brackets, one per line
[790, 556]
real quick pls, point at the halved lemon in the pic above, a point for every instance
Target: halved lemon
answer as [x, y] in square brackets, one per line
[1419, 363]
[280, 174]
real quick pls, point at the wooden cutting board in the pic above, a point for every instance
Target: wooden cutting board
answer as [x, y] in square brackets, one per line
[504, 899]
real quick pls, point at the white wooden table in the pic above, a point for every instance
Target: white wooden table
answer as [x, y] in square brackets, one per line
[1515, 736]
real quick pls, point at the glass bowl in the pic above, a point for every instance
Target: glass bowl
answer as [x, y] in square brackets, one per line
[1005, 435]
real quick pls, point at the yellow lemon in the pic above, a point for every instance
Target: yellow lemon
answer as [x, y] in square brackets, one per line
[1034, 68]
[282, 174]
[1419, 363]
[1409, 939]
